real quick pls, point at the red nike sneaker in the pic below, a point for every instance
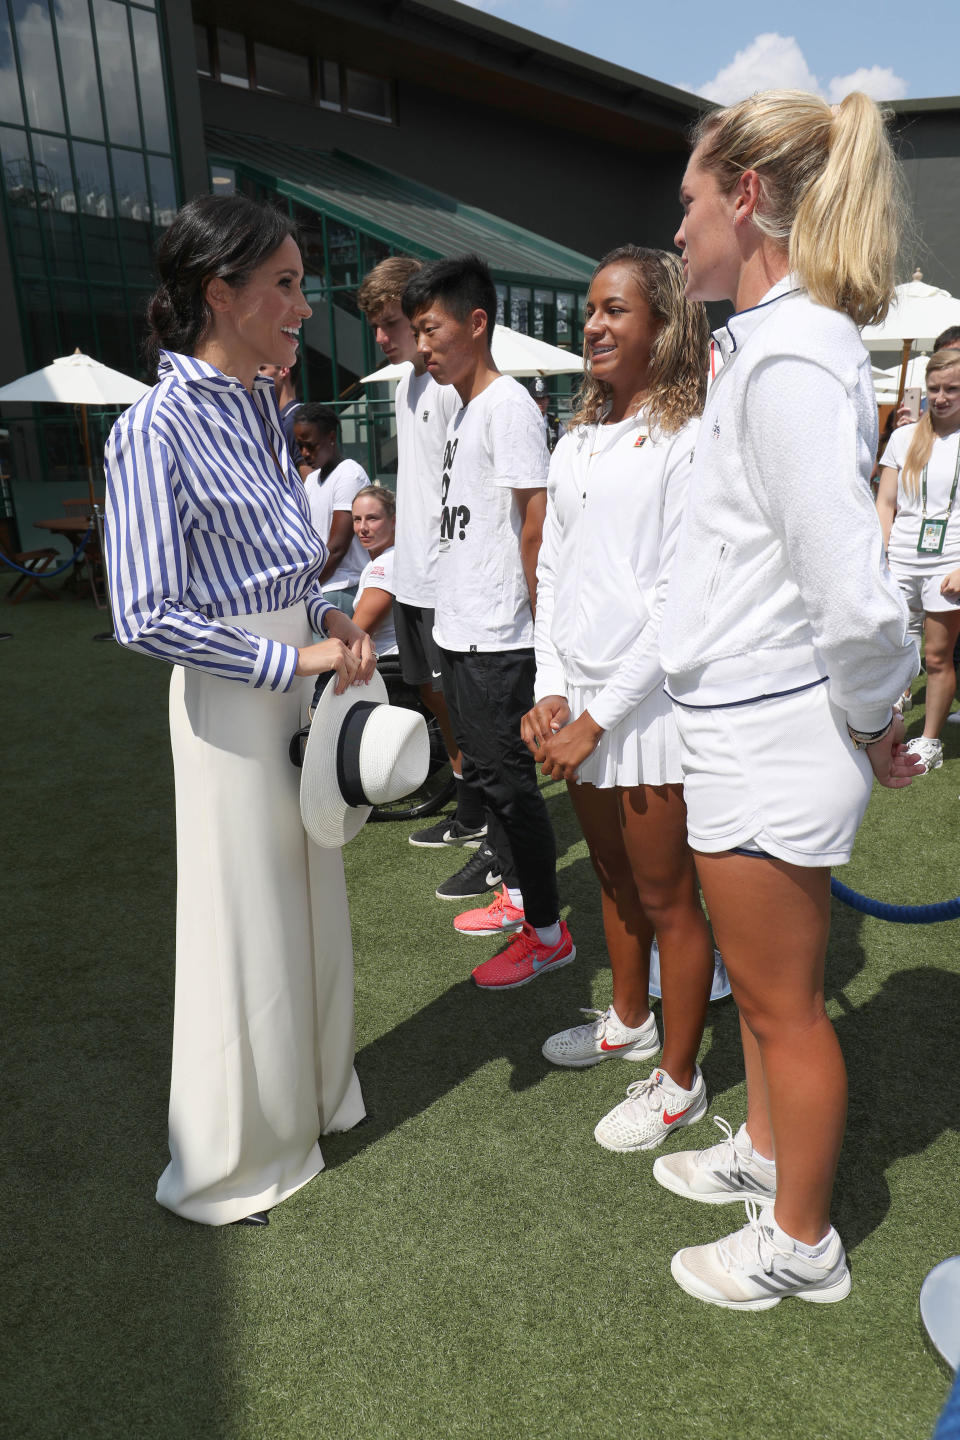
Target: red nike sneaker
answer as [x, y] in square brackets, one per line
[490, 919]
[524, 959]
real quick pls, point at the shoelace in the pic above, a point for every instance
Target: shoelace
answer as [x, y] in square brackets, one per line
[710, 1157]
[641, 1093]
[599, 1023]
[752, 1246]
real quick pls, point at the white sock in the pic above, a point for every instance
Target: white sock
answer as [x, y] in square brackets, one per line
[516, 898]
[549, 934]
[811, 1252]
[630, 1029]
[755, 1153]
[456, 775]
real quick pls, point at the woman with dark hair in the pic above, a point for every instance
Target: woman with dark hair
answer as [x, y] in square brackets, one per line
[213, 567]
[617, 488]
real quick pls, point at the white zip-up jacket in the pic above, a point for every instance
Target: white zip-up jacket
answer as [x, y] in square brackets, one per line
[780, 574]
[615, 498]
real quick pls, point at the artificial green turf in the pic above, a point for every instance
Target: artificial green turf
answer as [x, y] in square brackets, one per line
[471, 1263]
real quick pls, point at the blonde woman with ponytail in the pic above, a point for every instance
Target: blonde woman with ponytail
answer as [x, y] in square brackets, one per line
[617, 487]
[917, 504]
[784, 642]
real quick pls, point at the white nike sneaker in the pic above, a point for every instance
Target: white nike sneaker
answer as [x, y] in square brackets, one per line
[720, 1174]
[757, 1267]
[653, 1108]
[605, 1038]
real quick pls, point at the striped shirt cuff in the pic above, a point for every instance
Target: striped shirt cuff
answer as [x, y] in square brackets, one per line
[317, 610]
[276, 665]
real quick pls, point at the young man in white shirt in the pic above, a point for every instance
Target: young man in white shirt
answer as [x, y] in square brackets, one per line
[331, 483]
[493, 494]
[423, 409]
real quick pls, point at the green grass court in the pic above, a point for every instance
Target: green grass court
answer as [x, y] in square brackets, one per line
[471, 1263]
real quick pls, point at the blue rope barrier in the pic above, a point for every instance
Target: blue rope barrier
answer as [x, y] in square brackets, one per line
[898, 914]
[49, 574]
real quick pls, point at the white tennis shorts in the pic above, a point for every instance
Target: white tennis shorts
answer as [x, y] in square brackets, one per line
[779, 775]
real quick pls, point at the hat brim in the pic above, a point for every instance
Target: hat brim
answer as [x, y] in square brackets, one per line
[327, 818]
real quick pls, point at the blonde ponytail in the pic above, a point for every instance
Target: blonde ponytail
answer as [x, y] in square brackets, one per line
[832, 191]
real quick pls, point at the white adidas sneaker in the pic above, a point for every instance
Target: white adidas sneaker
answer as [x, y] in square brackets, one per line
[720, 1174]
[757, 1267]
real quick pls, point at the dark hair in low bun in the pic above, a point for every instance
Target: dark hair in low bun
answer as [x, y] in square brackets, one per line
[222, 236]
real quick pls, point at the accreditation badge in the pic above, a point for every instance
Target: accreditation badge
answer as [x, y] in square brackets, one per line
[932, 535]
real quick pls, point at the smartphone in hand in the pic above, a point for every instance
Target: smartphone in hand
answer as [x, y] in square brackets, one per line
[911, 400]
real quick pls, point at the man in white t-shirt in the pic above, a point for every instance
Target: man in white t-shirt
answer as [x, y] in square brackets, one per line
[331, 484]
[423, 409]
[493, 496]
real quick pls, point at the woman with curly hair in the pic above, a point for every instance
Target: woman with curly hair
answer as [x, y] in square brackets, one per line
[617, 489]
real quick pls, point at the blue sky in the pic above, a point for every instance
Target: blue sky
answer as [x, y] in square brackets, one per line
[723, 50]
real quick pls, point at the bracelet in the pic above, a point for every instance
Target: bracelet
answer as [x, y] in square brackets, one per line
[862, 738]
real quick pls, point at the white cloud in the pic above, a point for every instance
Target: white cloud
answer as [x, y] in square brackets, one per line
[776, 62]
[877, 81]
[770, 62]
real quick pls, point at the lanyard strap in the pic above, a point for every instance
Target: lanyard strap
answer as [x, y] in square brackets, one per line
[953, 489]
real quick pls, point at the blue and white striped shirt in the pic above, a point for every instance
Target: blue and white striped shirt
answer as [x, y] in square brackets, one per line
[202, 523]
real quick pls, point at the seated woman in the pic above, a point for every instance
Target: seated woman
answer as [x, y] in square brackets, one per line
[617, 490]
[331, 485]
[916, 501]
[374, 525]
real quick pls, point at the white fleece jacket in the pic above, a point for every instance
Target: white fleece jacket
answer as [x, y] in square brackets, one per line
[780, 576]
[615, 499]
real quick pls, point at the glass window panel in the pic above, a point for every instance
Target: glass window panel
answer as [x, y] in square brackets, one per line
[565, 320]
[113, 328]
[543, 314]
[17, 172]
[79, 70]
[372, 252]
[368, 95]
[57, 203]
[74, 321]
[232, 58]
[10, 107]
[520, 310]
[501, 304]
[38, 63]
[328, 84]
[201, 40]
[94, 194]
[102, 251]
[153, 98]
[116, 65]
[223, 180]
[282, 73]
[342, 240]
[310, 239]
[163, 189]
[133, 213]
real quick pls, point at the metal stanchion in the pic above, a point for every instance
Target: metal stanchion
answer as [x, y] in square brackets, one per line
[98, 521]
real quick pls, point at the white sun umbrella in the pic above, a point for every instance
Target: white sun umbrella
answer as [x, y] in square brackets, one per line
[75, 379]
[513, 354]
[918, 314]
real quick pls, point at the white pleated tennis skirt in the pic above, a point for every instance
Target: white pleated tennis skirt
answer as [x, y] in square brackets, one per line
[263, 1039]
[644, 749]
[781, 776]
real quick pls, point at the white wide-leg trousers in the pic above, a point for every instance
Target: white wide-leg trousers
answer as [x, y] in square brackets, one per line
[263, 1039]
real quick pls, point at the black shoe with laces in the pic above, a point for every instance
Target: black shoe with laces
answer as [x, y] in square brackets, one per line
[448, 831]
[480, 874]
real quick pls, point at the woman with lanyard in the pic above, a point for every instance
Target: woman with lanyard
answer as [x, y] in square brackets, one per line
[916, 500]
[784, 642]
[617, 488]
[213, 566]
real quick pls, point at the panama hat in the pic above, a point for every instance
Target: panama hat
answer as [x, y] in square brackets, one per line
[361, 751]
